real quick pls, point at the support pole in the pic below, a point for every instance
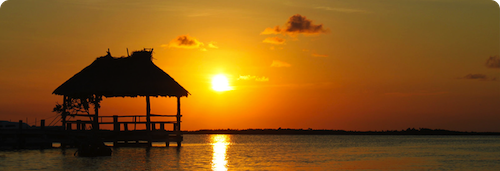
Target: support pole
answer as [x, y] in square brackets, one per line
[148, 114]
[20, 137]
[63, 114]
[178, 131]
[42, 124]
[20, 127]
[78, 125]
[116, 125]
[95, 124]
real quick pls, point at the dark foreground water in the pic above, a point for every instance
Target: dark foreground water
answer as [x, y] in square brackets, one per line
[280, 152]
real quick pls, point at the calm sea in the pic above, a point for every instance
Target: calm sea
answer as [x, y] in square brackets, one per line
[280, 152]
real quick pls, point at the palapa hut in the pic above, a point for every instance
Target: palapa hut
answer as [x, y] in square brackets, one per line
[131, 76]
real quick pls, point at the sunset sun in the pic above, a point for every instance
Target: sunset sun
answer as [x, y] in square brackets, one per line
[220, 83]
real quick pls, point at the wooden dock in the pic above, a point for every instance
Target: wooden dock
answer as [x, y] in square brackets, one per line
[75, 133]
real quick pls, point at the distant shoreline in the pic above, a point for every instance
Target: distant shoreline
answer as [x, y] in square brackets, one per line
[420, 131]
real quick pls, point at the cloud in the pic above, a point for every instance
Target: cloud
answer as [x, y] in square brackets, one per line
[185, 42]
[297, 24]
[475, 76]
[346, 10]
[246, 77]
[274, 40]
[275, 30]
[262, 79]
[252, 77]
[481, 77]
[416, 93]
[277, 63]
[493, 62]
[212, 45]
[318, 55]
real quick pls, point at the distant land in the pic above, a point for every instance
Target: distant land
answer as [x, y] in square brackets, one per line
[288, 131]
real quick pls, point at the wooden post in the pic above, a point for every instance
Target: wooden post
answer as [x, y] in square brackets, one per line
[63, 114]
[68, 126]
[116, 125]
[20, 125]
[95, 124]
[125, 126]
[42, 124]
[20, 137]
[178, 131]
[162, 126]
[148, 114]
[116, 129]
[78, 125]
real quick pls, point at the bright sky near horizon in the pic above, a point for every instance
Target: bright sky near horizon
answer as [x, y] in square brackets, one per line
[337, 64]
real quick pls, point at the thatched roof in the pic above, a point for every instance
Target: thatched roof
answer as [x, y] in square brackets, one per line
[131, 76]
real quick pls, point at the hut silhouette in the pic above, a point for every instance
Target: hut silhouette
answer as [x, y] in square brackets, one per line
[132, 76]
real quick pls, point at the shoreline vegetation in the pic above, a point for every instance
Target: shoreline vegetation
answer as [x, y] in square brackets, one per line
[289, 131]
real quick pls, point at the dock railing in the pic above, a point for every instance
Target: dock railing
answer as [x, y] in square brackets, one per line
[125, 122]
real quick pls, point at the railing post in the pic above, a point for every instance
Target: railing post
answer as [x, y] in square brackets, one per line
[68, 126]
[78, 125]
[42, 124]
[116, 125]
[20, 125]
[95, 123]
[20, 137]
[63, 114]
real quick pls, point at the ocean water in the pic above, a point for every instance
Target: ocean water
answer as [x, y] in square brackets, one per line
[279, 152]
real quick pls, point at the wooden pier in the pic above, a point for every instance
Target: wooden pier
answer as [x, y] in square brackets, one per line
[44, 137]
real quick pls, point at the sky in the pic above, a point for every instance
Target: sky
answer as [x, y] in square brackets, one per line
[334, 64]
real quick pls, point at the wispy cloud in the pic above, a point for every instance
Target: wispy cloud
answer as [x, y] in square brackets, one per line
[262, 79]
[346, 10]
[416, 93]
[212, 45]
[185, 42]
[297, 24]
[493, 62]
[277, 63]
[481, 77]
[253, 77]
[274, 40]
[318, 55]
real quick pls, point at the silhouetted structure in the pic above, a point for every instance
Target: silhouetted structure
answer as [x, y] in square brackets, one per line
[131, 76]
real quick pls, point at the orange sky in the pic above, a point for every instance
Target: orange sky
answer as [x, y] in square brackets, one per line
[339, 64]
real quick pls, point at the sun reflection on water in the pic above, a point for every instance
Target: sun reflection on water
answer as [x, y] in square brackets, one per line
[219, 143]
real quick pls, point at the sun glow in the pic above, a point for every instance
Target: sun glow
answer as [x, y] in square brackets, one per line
[220, 83]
